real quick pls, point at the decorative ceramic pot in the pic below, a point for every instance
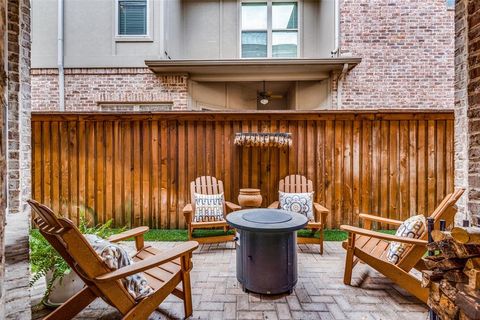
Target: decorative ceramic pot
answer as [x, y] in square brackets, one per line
[63, 288]
[250, 198]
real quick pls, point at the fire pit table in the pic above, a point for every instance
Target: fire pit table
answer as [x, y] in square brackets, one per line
[266, 249]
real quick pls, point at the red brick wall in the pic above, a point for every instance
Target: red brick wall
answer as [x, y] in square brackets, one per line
[86, 88]
[407, 52]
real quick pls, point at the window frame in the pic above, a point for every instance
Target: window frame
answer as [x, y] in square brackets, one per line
[270, 29]
[148, 37]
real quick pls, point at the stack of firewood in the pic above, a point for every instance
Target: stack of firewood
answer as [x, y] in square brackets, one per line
[453, 273]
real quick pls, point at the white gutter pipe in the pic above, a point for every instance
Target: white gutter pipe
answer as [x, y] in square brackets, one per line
[60, 56]
[336, 50]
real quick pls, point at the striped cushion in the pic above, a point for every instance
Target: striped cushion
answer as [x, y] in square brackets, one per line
[208, 207]
[413, 227]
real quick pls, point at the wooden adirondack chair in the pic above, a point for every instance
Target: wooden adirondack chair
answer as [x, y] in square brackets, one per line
[207, 185]
[371, 247]
[300, 184]
[163, 270]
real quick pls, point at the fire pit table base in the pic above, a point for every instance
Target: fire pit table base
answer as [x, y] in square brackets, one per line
[269, 260]
[266, 249]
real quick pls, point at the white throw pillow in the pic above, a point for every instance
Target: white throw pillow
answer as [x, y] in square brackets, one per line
[208, 207]
[297, 202]
[413, 227]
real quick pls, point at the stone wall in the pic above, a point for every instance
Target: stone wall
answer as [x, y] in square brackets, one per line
[86, 89]
[473, 92]
[407, 54]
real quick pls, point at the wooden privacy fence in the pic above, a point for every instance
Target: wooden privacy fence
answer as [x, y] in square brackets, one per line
[136, 168]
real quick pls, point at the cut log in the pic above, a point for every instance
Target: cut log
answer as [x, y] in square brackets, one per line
[469, 235]
[471, 292]
[448, 289]
[474, 278]
[445, 308]
[431, 275]
[469, 305]
[473, 263]
[456, 276]
[434, 293]
[438, 235]
[441, 263]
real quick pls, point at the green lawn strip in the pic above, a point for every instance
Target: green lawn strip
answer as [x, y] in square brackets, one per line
[181, 235]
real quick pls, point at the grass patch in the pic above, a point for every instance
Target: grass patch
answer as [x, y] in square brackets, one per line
[181, 235]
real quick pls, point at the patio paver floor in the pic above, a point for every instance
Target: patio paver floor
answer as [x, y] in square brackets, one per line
[319, 294]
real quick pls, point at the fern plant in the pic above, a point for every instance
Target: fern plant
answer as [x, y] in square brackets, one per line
[44, 258]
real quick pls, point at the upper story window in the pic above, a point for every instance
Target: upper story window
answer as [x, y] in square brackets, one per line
[269, 29]
[132, 18]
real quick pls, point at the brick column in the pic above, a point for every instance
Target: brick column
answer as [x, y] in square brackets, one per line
[472, 14]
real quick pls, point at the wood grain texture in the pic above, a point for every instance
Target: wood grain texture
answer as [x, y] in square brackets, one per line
[136, 169]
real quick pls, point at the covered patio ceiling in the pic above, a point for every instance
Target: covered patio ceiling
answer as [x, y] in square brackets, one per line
[254, 69]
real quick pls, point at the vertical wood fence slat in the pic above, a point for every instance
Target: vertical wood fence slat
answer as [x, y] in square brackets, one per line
[136, 169]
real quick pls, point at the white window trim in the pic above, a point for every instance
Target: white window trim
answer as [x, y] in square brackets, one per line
[270, 29]
[135, 38]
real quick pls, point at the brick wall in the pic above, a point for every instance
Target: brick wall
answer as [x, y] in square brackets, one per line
[18, 147]
[473, 91]
[407, 53]
[461, 104]
[3, 142]
[17, 144]
[85, 89]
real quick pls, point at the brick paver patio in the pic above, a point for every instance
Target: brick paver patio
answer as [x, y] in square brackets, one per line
[319, 294]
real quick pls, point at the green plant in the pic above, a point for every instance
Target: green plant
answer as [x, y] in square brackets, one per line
[44, 259]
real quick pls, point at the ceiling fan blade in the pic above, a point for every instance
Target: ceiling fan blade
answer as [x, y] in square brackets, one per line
[276, 96]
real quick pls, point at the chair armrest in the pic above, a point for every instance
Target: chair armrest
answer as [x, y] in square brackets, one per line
[370, 217]
[174, 253]
[128, 234]
[187, 212]
[382, 236]
[232, 206]
[320, 213]
[274, 205]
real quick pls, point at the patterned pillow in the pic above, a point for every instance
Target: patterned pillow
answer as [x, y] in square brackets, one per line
[208, 207]
[413, 227]
[297, 202]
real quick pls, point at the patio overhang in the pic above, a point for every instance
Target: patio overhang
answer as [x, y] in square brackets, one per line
[254, 69]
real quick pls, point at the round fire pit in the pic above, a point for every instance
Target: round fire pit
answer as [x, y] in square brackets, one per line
[266, 249]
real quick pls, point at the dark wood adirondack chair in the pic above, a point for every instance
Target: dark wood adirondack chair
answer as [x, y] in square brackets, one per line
[371, 247]
[167, 272]
[207, 185]
[300, 184]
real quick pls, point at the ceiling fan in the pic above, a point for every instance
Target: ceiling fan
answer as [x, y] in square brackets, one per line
[265, 96]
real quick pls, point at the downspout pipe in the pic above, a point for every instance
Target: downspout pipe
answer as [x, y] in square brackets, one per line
[60, 56]
[336, 50]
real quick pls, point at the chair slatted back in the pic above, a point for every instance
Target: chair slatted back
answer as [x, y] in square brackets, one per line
[446, 210]
[295, 183]
[65, 237]
[206, 185]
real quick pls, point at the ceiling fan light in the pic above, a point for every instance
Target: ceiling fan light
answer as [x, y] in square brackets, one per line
[264, 101]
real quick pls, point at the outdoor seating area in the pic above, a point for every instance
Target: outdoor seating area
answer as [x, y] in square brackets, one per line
[240, 159]
[319, 293]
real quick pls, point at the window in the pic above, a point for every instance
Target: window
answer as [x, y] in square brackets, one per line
[269, 29]
[450, 4]
[132, 17]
